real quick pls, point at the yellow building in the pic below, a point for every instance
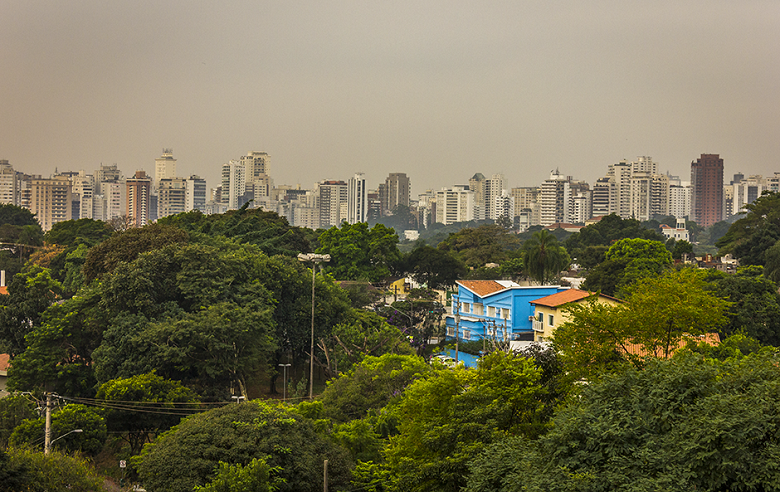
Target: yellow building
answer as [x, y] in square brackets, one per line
[549, 313]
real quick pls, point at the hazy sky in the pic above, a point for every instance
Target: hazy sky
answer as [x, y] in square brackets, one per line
[436, 89]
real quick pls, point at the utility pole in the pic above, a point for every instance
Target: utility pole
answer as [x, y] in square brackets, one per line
[315, 259]
[457, 335]
[325, 482]
[47, 431]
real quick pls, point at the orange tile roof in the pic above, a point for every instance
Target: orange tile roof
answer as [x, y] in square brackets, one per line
[482, 287]
[4, 358]
[563, 297]
[709, 338]
[4, 290]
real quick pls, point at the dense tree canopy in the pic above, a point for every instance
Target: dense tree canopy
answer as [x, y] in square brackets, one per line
[598, 337]
[433, 267]
[359, 253]
[70, 417]
[750, 237]
[544, 258]
[627, 261]
[187, 455]
[476, 246]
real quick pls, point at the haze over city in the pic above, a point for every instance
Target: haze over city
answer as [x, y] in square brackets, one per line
[438, 90]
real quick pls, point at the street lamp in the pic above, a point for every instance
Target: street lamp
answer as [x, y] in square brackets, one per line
[284, 392]
[315, 259]
[48, 448]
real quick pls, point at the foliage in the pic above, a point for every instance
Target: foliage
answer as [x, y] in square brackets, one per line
[543, 257]
[449, 417]
[17, 216]
[597, 338]
[210, 351]
[361, 334]
[29, 294]
[70, 417]
[59, 351]
[418, 316]
[256, 476]
[361, 294]
[751, 236]
[74, 232]
[358, 252]
[54, 471]
[187, 455]
[370, 385]
[680, 248]
[13, 410]
[433, 267]
[139, 391]
[125, 247]
[627, 261]
[755, 305]
[736, 346]
[608, 230]
[269, 231]
[478, 246]
[683, 424]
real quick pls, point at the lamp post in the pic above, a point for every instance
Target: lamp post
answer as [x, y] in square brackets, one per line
[315, 259]
[284, 391]
[48, 447]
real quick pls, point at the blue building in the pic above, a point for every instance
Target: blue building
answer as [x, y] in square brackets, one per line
[495, 308]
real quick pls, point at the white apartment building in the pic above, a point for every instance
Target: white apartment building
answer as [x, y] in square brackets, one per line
[9, 186]
[357, 199]
[454, 204]
[233, 184]
[195, 197]
[164, 167]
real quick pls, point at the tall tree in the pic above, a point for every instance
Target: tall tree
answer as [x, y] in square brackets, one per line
[434, 267]
[544, 257]
[358, 252]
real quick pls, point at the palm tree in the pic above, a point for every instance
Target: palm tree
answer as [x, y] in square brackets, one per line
[544, 258]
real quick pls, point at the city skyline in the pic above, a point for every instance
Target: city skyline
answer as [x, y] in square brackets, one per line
[431, 89]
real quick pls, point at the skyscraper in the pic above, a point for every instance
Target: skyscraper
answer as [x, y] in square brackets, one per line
[396, 191]
[50, 200]
[707, 189]
[164, 167]
[357, 199]
[332, 195]
[138, 193]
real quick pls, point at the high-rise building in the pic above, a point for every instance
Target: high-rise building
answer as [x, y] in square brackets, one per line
[555, 199]
[454, 204]
[396, 191]
[9, 186]
[164, 167]
[171, 197]
[196, 194]
[742, 191]
[233, 184]
[138, 193]
[82, 192]
[50, 200]
[106, 174]
[257, 164]
[707, 192]
[357, 199]
[526, 203]
[332, 195]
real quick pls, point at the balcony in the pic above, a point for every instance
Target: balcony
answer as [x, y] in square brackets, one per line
[538, 326]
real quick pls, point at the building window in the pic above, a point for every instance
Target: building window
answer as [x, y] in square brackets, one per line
[550, 319]
[465, 307]
[491, 311]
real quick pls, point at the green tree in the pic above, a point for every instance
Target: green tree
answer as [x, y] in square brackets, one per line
[18, 216]
[543, 257]
[59, 351]
[680, 248]
[125, 247]
[187, 455]
[755, 305]
[13, 410]
[449, 417]
[53, 471]
[434, 267]
[477, 246]
[370, 385]
[70, 417]
[142, 392]
[683, 424]
[75, 232]
[751, 236]
[29, 294]
[269, 231]
[256, 476]
[361, 334]
[597, 337]
[627, 261]
[358, 252]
